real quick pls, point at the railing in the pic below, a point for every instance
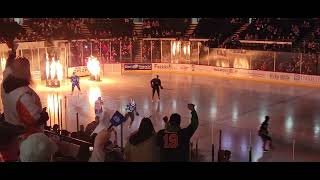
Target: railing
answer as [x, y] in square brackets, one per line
[69, 139]
[84, 150]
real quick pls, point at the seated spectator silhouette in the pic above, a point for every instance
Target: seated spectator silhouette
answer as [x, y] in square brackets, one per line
[142, 145]
[101, 140]
[92, 126]
[56, 128]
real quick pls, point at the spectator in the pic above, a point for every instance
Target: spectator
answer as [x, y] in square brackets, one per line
[226, 156]
[174, 141]
[100, 141]
[37, 148]
[8, 140]
[142, 145]
[103, 122]
[81, 134]
[65, 133]
[92, 126]
[21, 104]
[56, 128]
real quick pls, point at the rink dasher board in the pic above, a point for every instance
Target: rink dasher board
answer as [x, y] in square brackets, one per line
[290, 78]
[299, 79]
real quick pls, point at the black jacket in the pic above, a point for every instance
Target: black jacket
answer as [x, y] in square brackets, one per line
[175, 143]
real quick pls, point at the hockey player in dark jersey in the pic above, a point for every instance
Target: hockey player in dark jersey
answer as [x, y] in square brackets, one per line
[156, 84]
[75, 82]
[174, 141]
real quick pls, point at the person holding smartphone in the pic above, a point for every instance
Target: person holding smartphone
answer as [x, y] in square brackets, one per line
[174, 141]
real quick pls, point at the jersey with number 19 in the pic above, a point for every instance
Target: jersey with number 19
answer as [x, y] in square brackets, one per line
[174, 144]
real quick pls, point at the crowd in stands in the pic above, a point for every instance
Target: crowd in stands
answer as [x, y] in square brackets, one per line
[152, 28]
[9, 29]
[56, 27]
[312, 45]
[218, 30]
[107, 28]
[275, 29]
[160, 28]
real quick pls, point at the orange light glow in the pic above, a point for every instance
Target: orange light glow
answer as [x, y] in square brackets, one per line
[53, 104]
[53, 69]
[241, 63]
[93, 66]
[3, 63]
[94, 93]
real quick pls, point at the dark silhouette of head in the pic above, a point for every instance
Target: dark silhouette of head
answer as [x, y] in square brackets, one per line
[267, 118]
[227, 154]
[55, 127]
[175, 120]
[145, 131]
[157, 76]
[21, 69]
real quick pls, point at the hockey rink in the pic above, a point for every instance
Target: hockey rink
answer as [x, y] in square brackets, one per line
[236, 107]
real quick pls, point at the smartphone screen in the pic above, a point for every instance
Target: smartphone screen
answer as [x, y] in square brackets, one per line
[90, 148]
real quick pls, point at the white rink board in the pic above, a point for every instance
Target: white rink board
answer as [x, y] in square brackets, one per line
[244, 73]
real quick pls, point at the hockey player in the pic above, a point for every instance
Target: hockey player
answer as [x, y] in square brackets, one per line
[155, 85]
[98, 107]
[132, 110]
[75, 82]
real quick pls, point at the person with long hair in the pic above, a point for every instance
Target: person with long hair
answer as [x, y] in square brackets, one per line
[21, 104]
[142, 145]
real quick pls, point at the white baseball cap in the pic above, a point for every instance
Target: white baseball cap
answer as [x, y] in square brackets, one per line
[37, 148]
